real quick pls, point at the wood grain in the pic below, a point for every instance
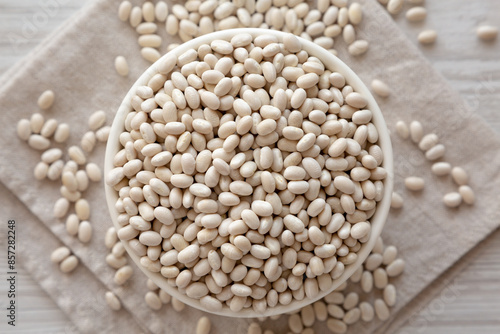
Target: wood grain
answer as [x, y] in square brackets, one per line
[472, 68]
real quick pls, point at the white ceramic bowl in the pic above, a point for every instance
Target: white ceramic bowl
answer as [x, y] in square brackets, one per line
[332, 63]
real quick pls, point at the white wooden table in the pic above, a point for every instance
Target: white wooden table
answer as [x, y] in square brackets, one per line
[472, 303]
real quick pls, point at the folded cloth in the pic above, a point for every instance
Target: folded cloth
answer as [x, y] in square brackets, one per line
[76, 62]
[79, 294]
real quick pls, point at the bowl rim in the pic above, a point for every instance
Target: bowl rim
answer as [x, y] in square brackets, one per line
[331, 62]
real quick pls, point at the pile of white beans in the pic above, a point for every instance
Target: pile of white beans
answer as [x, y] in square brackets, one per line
[320, 23]
[248, 173]
[433, 151]
[368, 295]
[72, 170]
[354, 301]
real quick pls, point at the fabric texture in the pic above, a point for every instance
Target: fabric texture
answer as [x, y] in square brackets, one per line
[76, 62]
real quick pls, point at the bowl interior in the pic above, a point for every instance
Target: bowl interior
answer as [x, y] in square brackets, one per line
[332, 63]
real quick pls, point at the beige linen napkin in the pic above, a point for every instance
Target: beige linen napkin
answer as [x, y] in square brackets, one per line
[77, 63]
[78, 294]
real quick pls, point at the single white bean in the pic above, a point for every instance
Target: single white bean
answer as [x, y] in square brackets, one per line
[121, 66]
[487, 32]
[46, 100]
[460, 176]
[396, 201]
[124, 10]
[380, 88]
[85, 231]
[452, 199]
[203, 326]
[427, 36]
[69, 264]
[414, 183]
[381, 310]
[394, 6]
[467, 194]
[441, 168]
[112, 301]
[416, 14]
[59, 254]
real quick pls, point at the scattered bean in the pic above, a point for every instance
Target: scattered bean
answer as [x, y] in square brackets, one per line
[414, 183]
[203, 326]
[416, 131]
[97, 120]
[62, 133]
[416, 14]
[153, 300]
[427, 37]
[69, 264]
[460, 176]
[441, 168]
[467, 194]
[112, 301]
[24, 129]
[395, 6]
[380, 88]
[85, 231]
[395, 268]
[396, 201]
[124, 10]
[46, 100]
[123, 274]
[452, 199]
[121, 66]
[381, 310]
[59, 254]
[487, 32]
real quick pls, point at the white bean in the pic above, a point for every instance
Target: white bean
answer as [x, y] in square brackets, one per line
[69, 264]
[416, 131]
[396, 201]
[380, 88]
[40, 170]
[358, 47]
[153, 300]
[59, 254]
[123, 274]
[452, 199]
[121, 66]
[487, 32]
[203, 326]
[427, 37]
[85, 231]
[395, 268]
[38, 142]
[381, 310]
[61, 207]
[467, 194]
[416, 14]
[62, 133]
[93, 172]
[394, 6]
[460, 176]
[24, 129]
[46, 100]
[390, 295]
[112, 301]
[414, 183]
[441, 168]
